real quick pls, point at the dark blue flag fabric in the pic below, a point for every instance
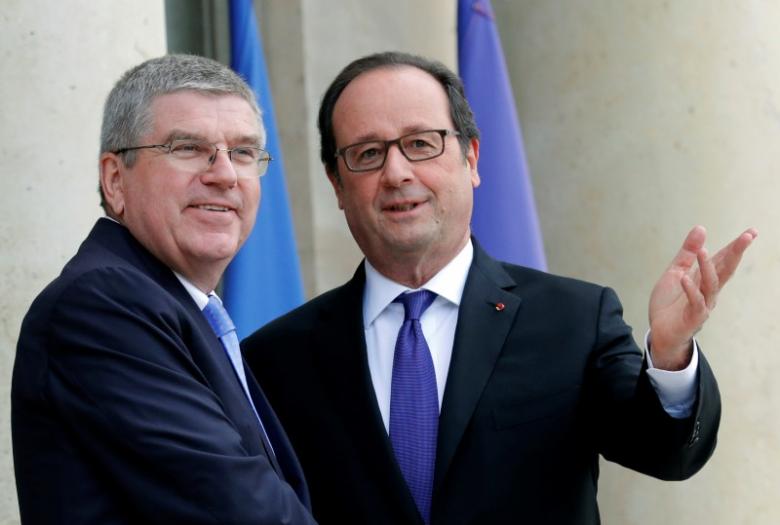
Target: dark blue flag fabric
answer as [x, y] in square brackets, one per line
[264, 280]
[504, 220]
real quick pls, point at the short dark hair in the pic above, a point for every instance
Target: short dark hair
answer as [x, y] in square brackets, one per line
[460, 111]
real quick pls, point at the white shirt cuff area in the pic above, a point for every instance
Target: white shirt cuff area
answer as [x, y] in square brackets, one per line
[676, 389]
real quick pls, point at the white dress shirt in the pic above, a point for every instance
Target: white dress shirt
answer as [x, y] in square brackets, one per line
[382, 319]
[200, 298]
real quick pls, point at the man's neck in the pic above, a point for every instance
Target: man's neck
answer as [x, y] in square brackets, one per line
[415, 271]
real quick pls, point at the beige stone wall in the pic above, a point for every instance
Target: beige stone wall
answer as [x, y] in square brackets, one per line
[58, 61]
[642, 119]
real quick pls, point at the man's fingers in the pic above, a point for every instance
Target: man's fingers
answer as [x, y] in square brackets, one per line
[728, 258]
[709, 283]
[693, 242]
[696, 302]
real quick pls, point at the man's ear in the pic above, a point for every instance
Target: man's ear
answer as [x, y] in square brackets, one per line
[335, 181]
[111, 183]
[472, 156]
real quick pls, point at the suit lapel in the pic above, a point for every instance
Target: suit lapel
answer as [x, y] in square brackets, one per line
[487, 313]
[284, 459]
[230, 391]
[117, 239]
[343, 362]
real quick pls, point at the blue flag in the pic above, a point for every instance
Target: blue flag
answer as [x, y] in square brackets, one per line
[264, 280]
[504, 219]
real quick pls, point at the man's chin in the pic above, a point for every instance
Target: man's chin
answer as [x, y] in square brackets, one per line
[215, 248]
[410, 242]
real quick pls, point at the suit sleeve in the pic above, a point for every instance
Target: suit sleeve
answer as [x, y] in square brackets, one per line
[121, 376]
[632, 427]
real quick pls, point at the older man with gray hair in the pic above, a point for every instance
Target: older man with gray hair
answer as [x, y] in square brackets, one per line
[130, 401]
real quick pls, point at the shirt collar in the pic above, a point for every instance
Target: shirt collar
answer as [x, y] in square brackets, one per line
[447, 283]
[200, 298]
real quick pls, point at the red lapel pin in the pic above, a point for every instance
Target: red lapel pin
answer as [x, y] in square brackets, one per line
[500, 306]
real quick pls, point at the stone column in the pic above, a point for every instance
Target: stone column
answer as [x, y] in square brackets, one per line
[642, 119]
[58, 62]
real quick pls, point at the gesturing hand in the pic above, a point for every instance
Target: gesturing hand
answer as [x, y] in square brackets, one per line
[686, 293]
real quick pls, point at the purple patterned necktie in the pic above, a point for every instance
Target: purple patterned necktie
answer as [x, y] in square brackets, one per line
[414, 402]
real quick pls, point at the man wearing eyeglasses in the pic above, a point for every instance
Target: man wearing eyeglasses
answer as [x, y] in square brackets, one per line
[445, 387]
[130, 401]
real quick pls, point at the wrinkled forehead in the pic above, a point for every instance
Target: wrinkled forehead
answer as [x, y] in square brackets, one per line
[204, 113]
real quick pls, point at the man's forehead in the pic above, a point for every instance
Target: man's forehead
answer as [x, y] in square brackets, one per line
[392, 99]
[194, 114]
[411, 82]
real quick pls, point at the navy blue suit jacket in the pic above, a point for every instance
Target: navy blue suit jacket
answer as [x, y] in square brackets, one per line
[125, 407]
[536, 391]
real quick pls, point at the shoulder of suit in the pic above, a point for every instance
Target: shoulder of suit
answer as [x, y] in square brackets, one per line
[99, 276]
[529, 279]
[332, 306]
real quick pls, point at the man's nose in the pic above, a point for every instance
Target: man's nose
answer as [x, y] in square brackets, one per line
[397, 169]
[221, 170]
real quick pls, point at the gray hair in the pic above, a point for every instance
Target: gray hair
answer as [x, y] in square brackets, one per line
[127, 113]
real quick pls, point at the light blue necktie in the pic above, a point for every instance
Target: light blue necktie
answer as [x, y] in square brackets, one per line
[414, 403]
[223, 326]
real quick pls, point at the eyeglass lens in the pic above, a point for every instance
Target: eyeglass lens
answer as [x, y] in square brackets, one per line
[415, 147]
[248, 161]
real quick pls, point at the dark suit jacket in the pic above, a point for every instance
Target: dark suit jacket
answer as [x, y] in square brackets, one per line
[125, 407]
[535, 392]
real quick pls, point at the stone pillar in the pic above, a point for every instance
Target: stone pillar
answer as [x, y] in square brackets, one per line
[642, 119]
[58, 62]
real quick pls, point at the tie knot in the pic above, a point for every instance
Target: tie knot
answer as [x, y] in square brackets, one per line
[415, 303]
[218, 317]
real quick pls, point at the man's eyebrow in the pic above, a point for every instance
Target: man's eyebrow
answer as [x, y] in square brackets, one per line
[247, 139]
[406, 130]
[366, 137]
[178, 134]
